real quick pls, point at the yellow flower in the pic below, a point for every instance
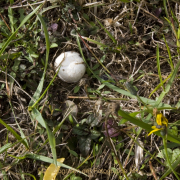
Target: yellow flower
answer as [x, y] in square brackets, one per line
[161, 121]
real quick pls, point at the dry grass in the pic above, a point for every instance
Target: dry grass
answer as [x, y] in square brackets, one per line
[137, 28]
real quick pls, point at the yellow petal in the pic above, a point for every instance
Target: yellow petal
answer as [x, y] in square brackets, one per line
[154, 131]
[158, 119]
[164, 121]
[154, 127]
[161, 120]
[52, 170]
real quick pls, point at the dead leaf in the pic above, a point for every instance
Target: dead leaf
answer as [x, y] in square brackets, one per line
[52, 170]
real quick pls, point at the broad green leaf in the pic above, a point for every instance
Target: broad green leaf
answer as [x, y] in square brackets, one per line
[173, 131]
[73, 153]
[80, 130]
[21, 12]
[174, 165]
[170, 145]
[35, 113]
[6, 146]
[74, 177]
[175, 155]
[162, 155]
[11, 2]
[95, 66]
[53, 45]
[92, 120]
[76, 89]
[84, 145]
[10, 55]
[94, 134]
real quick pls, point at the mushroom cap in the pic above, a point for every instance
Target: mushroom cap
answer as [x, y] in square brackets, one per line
[72, 66]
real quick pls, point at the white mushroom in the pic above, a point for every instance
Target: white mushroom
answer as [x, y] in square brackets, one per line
[72, 67]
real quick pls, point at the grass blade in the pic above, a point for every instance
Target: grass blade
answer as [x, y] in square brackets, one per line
[159, 85]
[169, 53]
[11, 18]
[6, 146]
[22, 23]
[35, 114]
[49, 160]
[31, 107]
[174, 165]
[13, 74]
[52, 143]
[158, 66]
[13, 132]
[55, 130]
[108, 33]
[20, 130]
[95, 42]
[168, 86]
[40, 86]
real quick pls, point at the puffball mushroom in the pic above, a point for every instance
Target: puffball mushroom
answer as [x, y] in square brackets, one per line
[72, 67]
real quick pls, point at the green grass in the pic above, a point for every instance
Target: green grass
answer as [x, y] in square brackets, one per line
[35, 130]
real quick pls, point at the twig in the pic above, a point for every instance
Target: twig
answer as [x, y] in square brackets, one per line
[14, 7]
[5, 22]
[86, 97]
[152, 170]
